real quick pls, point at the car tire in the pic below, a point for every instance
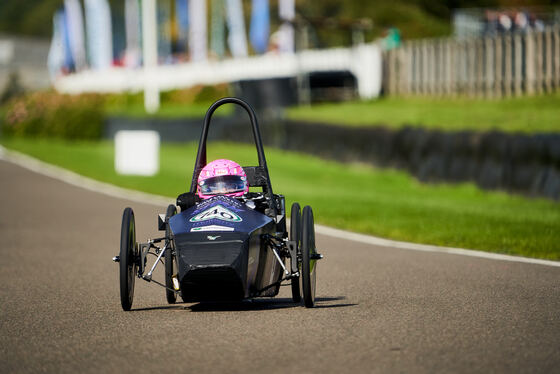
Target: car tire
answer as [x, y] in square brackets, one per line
[309, 263]
[169, 257]
[295, 235]
[128, 259]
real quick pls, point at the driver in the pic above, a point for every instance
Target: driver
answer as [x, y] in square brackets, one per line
[222, 177]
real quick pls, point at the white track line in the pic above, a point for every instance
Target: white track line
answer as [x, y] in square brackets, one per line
[72, 178]
[78, 180]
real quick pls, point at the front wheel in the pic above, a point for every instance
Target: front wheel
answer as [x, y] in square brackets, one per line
[309, 258]
[128, 264]
[295, 235]
[170, 261]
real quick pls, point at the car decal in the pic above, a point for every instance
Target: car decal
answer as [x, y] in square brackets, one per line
[212, 228]
[217, 212]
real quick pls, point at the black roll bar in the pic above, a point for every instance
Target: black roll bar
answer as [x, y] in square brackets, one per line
[256, 173]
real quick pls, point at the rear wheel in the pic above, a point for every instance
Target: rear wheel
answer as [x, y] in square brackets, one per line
[170, 261]
[295, 235]
[309, 261]
[128, 264]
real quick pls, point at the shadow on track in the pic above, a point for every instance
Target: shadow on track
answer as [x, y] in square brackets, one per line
[161, 307]
[249, 305]
[264, 304]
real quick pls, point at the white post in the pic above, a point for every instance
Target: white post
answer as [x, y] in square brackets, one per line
[149, 41]
[367, 69]
[137, 152]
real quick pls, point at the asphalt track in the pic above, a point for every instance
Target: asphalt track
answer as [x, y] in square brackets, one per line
[379, 309]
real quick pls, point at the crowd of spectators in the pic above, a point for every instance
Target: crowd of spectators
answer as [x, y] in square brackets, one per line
[499, 21]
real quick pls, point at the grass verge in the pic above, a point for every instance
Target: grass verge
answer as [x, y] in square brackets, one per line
[358, 198]
[526, 114]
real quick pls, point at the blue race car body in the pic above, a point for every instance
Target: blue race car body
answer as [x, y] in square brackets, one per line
[221, 249]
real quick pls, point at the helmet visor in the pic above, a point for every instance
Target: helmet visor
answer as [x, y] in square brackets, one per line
[223, 184]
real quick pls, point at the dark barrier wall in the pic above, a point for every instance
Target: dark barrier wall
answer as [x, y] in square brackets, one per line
[528, 164]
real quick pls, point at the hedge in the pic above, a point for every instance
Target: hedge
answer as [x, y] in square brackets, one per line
[49, 114]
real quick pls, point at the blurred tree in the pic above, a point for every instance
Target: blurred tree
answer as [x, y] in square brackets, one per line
[28, 17]
[333, 20]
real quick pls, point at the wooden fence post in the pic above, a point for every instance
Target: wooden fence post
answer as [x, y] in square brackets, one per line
[539, 62]
[530, 63]
[452, 89]
[448, 67]
[498, 67]
[503, 65]
[460, 67]
[425, 67]
[436, 68]
[402, 70]
[479, 85]
[416, 68]
[393, 71]
[556, 33]
[548, 59]
[507, 65]
[518, 63]
[489, 76]
[433, 68]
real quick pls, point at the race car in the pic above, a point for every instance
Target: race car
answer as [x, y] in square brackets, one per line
[226, 243]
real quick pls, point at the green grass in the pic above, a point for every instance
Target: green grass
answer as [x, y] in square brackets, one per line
[527, 114]
[386, 203]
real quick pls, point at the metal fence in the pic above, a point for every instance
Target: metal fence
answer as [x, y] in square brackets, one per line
[511, 64]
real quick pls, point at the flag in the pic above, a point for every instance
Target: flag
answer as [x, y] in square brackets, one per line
[182, 20]
[57, 50]
[68, 64]
[99, 35]
[133, 27]
[287, 10]
[164, 29]
[260, 26]
[287, 13]
[197, 30]
[75, 31]
[237, 40]
[217, 41]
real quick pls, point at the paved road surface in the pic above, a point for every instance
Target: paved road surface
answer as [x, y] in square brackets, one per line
[379, 309]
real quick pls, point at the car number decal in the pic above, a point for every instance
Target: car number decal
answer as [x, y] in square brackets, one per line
[216, 212]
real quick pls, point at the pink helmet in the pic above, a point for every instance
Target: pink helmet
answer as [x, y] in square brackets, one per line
[222, 177]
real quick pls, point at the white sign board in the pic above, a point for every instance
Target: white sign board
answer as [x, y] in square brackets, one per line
[137, 152]
[6, 52]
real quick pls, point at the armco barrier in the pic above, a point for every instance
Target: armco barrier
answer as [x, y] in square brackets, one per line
[520, 163]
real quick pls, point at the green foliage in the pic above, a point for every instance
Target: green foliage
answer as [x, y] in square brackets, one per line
[184, 103]
[209, 94]
[13, 88]
[358, 198]
[28, 17]
[333, 20]
[48, 114]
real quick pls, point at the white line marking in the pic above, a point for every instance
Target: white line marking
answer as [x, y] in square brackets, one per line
[78, 180]
[74, 179]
